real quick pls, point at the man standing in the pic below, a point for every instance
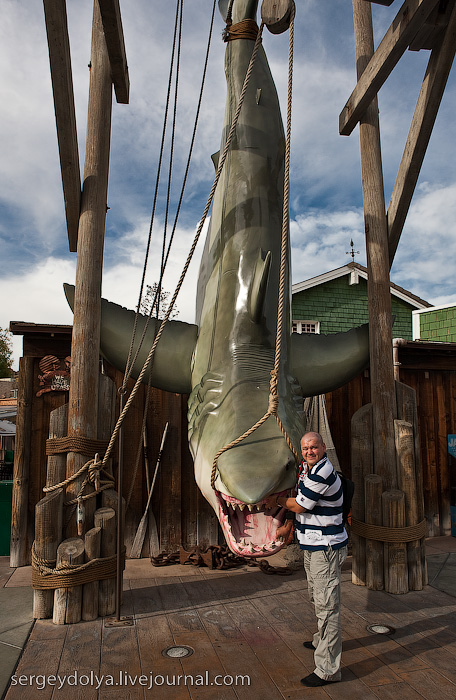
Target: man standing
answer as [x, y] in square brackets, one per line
[322, 536]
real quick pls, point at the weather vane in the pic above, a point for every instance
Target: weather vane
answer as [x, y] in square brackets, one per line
[352, 252]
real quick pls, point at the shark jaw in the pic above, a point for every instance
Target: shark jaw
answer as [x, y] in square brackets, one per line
[249, 529]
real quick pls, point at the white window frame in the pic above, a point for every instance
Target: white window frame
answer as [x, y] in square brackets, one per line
[301, 326]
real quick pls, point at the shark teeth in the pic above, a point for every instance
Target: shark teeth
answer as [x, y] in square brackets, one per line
[253, 507]
[243, 546]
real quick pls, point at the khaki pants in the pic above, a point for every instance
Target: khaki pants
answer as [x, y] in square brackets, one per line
[323, 571]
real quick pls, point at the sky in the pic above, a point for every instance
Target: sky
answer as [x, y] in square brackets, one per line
[326, 190]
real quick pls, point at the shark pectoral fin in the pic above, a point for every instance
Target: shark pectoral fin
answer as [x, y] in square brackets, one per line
[323, 363]
[215, 157]
[171, 370]
[258, 285]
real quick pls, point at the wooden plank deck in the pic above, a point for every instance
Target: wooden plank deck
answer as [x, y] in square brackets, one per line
[246, 630]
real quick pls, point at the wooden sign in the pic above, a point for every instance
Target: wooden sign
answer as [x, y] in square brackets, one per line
[55, 374]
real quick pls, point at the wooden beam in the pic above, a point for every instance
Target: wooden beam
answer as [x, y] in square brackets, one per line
[65, 117]
[402, 30]
[383, 392]
[429, 99]
[19, 546]
[85, 346]
[112, 27]
[431, 30]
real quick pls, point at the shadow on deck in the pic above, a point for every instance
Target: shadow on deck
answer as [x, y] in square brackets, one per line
[246, 631]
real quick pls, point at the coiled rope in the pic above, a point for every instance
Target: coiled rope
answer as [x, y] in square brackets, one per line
[246, 29]
[382, 533]
[46, 576]
[274, 382]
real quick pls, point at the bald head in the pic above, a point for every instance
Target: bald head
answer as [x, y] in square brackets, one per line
[312, 447]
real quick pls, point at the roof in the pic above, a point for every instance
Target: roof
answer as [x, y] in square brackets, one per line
[8, 412]
[355, 270]
[22, 327]
[7, 428]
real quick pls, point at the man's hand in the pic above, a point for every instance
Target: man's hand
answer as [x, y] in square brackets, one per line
[285, 531]
[270, 503]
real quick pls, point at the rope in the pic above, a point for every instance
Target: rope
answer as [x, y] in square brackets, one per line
[155, 303]
[246, 29]
[192, 250]
[171, 162]
[94, 469]
[82, 445]
[129, 363]
[273, 403]
[45, 576]
[229, 19]
[389, 534]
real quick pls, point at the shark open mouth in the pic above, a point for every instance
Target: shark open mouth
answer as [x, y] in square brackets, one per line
[250, 530]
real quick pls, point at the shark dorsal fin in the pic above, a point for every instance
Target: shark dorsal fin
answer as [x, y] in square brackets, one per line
[258, 285]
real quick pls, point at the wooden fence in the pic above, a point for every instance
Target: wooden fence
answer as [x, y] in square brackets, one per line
[430, 369]
[182, 514]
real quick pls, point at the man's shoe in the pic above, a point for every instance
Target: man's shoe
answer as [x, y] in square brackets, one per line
[314, 681]
[308, 645]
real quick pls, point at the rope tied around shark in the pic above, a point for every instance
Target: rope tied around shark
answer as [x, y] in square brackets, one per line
[273, 403]
[247, 29]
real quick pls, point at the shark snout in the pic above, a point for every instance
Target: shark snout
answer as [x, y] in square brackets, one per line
[256, 468]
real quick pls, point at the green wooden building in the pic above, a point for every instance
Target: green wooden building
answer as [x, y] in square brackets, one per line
[337, 301]
[437, 324]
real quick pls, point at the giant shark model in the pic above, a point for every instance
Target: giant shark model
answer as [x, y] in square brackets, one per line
[224, 361]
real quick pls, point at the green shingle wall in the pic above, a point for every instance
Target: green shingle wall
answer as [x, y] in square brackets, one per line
[439, 325]
[340, 306]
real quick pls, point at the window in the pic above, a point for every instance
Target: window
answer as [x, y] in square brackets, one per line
[306, 326]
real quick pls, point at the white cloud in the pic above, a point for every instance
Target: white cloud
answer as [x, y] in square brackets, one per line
[320, 241]
[36, 296]
[326, 181]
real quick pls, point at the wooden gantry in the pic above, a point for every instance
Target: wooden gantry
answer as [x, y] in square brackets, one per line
[386, 453]
[86, 215]
[389, 541]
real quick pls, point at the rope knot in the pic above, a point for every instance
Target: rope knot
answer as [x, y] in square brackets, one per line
[94, 471]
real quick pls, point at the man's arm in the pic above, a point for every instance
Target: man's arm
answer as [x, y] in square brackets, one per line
[284, 502]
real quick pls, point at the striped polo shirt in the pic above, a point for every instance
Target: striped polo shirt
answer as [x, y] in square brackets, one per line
[319, 491]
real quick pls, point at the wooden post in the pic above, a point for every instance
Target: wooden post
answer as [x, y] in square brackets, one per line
[48, 535]
[405, 446]
[379, 295]
[18, 548]
[373, 486]
[395, 553]
[106, 519]
[106, 410]
[92, 546]
[362, 464]
[85, 348]
[407, 411]
[67, 601]
[56, 464]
